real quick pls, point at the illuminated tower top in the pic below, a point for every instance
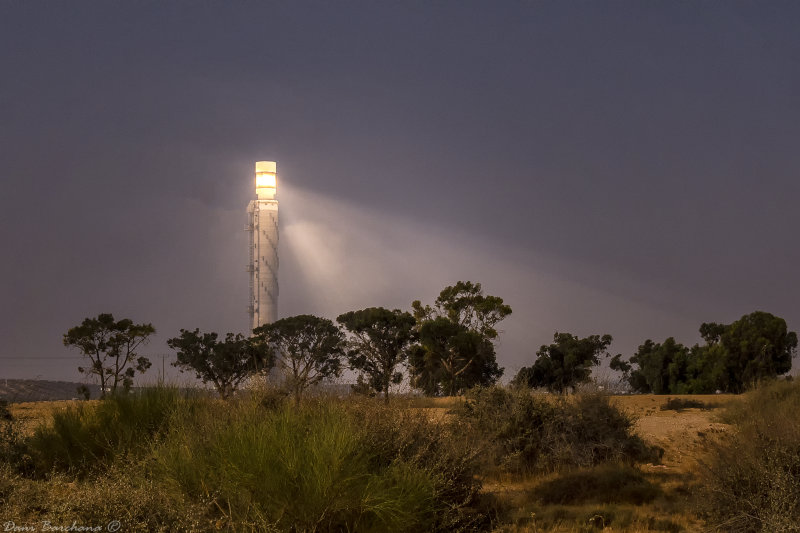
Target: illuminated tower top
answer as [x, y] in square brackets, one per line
[266, 180]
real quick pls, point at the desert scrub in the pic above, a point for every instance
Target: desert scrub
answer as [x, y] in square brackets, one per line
[85, 437]
[315, 467]
[590, 518]
[752, 475]
[679, 404]
[524, 433]
[122, 493]
[435, 445]
[609, 483]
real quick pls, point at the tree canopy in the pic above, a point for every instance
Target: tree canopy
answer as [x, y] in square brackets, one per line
[465, 304]
[757, 346]
[380, 340]
[455, 349]
[307, 348]
[111, 347]
[564, 364]
[223, 363]
[659, 368]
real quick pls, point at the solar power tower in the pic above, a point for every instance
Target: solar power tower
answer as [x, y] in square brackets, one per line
[262, 223]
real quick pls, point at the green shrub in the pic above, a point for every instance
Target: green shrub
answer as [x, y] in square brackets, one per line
[436, 447]
[86, 437]
[317, 467]
[255, 464]
[679, 404]
[517, 428]
[523, 432]
[603, 484]
[752, 479]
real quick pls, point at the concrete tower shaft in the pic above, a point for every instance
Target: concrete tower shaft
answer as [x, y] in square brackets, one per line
[262, 223]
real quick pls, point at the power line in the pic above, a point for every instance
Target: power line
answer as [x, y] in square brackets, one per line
[65, 357]
[38, 358]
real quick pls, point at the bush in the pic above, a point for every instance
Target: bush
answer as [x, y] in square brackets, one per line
[435, 447]
[320, 466]
[752, 479]
[86, 437]
[601, 433]
[603, 484]
[523, 432]
[679, 404]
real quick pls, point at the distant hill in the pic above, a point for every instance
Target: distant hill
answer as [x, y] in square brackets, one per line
[36, 390]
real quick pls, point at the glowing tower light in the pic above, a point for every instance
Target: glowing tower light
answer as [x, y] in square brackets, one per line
[262, 223]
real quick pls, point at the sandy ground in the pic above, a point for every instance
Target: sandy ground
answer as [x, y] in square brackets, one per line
[683, 434]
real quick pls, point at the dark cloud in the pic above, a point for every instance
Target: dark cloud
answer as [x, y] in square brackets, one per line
[606, 167]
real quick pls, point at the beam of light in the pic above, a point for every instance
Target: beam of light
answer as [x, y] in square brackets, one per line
[337, 257]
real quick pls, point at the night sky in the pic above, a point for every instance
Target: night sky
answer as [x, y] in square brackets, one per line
[606, 167]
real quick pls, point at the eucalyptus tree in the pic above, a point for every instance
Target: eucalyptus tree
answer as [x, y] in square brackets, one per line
[307, 349]
[380, 341]
[456, 340]
[226, 363]
[111, 347]
[734, 356]
[564, 364]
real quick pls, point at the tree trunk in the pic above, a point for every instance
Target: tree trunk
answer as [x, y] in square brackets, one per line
[102, 384]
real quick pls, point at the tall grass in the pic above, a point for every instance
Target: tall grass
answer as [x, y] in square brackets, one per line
[436, 446]
[752, 480]
[316, 467]
[90, 436]
[256, 464]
